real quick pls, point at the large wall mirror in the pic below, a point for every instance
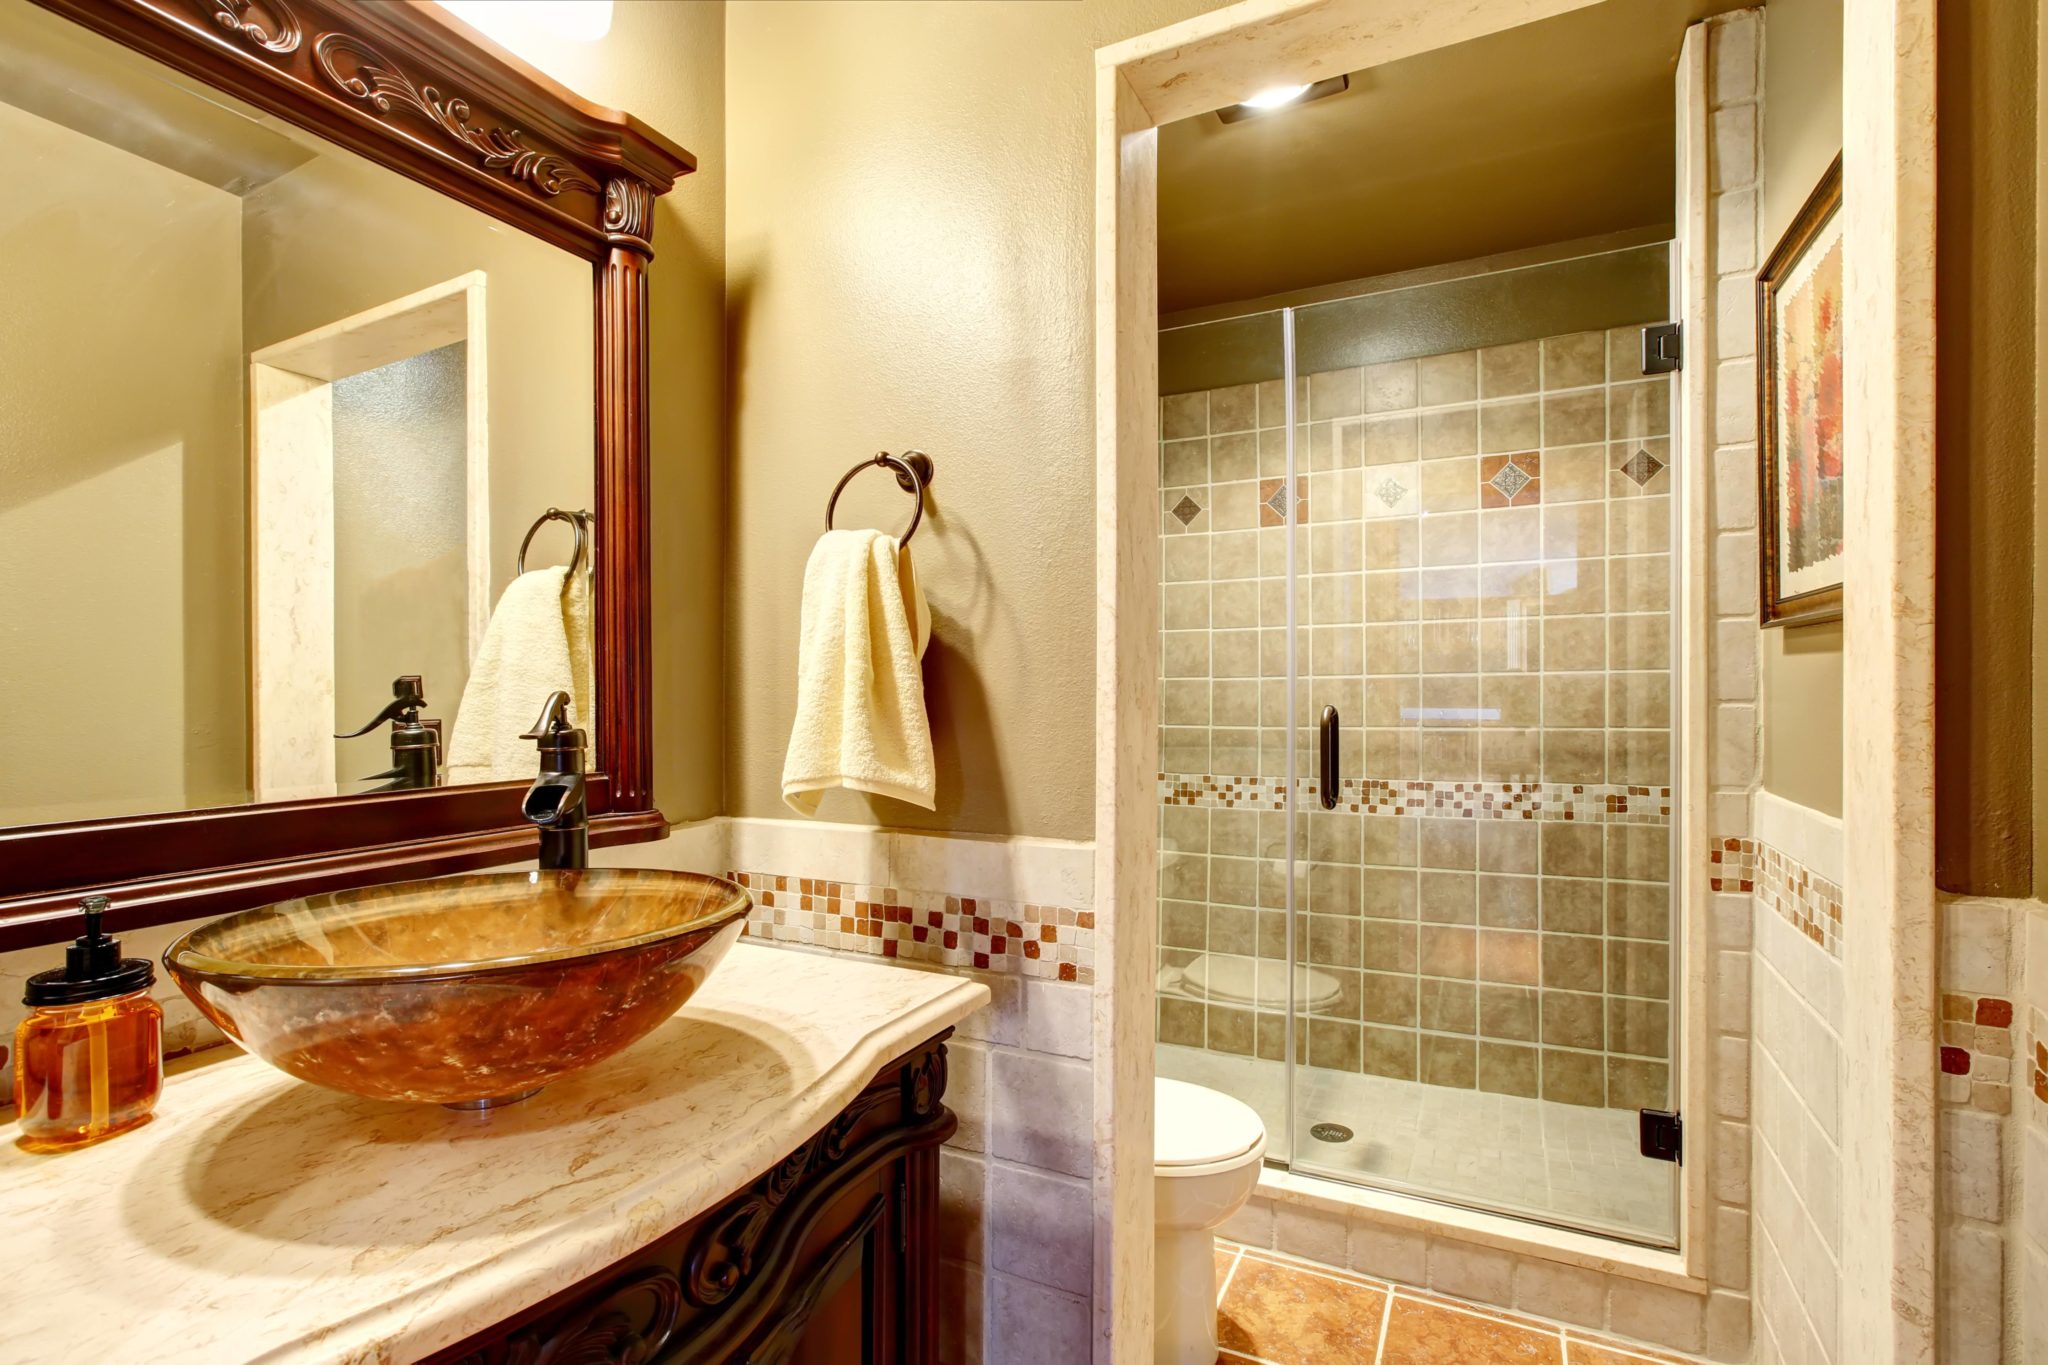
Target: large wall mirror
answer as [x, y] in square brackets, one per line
[319, 452]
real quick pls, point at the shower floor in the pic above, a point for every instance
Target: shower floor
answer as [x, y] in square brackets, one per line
[1558, 1163]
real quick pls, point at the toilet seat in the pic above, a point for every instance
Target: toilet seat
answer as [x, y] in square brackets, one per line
[1237, 981]
[1196, 1130]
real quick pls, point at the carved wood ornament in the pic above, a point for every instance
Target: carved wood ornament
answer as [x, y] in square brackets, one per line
[411, 88]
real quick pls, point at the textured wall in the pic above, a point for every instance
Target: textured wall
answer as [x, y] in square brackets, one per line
[1802, 132]
[911, 210]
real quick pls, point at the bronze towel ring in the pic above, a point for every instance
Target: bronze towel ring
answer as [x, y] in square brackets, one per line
[575, 520]
[913, 475]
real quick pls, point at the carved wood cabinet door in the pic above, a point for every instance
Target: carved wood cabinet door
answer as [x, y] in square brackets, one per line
[828, 1258]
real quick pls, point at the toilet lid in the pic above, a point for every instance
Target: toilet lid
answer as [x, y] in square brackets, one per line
[1193, 1126]
[1237, 980]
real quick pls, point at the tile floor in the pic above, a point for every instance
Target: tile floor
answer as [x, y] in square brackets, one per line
[1274, 1311]
[1562, 1163]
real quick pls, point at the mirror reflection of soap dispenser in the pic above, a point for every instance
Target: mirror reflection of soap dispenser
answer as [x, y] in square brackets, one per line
[415, 743]
[89, 1058]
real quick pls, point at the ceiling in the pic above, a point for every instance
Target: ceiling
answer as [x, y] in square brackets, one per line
[1545, 133]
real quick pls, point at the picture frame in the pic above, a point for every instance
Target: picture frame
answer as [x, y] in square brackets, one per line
[1800, 432]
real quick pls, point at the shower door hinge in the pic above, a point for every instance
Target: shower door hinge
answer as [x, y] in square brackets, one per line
[1663, 1135]
[1663, 348]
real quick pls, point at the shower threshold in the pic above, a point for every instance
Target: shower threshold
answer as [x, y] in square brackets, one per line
[1567, 1165]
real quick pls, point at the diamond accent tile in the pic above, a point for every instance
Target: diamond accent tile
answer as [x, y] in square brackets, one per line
[1642, 467]
[1278, 502]
[1390, 492]
[1187, 509]
[1511, 480]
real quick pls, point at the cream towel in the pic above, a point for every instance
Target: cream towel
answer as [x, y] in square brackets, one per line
[526, 654]
[860, 720]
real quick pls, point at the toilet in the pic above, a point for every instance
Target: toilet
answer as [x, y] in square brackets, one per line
[1206, 1151]
[1222, 979]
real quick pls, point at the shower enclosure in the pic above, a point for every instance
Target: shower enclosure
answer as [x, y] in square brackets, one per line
[1416, 748]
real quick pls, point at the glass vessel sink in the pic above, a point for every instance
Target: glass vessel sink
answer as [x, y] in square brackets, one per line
[469, 991]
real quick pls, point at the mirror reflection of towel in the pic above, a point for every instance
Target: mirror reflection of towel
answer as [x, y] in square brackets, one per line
[538, 642]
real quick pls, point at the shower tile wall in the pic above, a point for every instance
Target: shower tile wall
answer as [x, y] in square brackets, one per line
[1484, 594]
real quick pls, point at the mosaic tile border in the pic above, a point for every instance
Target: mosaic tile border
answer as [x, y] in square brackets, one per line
[1051, 942]
[1977, 1053]
[2037, 1027]
[1810, 904]
[1603, 803]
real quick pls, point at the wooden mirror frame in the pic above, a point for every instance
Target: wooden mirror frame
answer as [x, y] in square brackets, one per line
[411, 88]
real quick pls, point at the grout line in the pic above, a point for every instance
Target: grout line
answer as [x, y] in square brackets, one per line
[1379, 1349]
[1236, 1260]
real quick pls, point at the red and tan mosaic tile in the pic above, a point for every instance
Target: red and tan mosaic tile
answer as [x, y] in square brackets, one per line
[1809, 903]
[1976, 1052]
[1597, 803]
[1053, 942]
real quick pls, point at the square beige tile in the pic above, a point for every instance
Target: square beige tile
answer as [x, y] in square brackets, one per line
[1511, 589]
[1182, 463]
[1508, 1069]
[1446, 1006]
[1574, 587]
[1640, 582]
[1508, 957]
[1639, 642]
[1448, 432]
[1449, 647]
[1575, 474]
[1508, 1012]
[1336, 547]
[1572, 905]
[1449, 378]
[1450, 755]
[1510, 755]
[1510, 369]
[1572, 850]
[1451, 698]
[1639, 758]
[1574, 755]
[1575, 1077]
[1387, 700]
[1450, 538]
[1514, 645]
[1389, 439]
[1575, 700]
[1232, 507]
[1507, 902]
[1574, 530]
[1639, 409]
[1641, 700]
[1574, 418]
[1450, 485]
[1507, 846]
[1639, 526]
[1512, 700]
[1186, 606]
[1389, 596]
[1575, 643]
[1391, 386]
[1233, 409]
[1392, 544]
[1639, 853]
[1573, 361]
[1184, 414]
[1510, 534]
[1510, 425]
[1392, 649]
[1335, 393]
[1234, 457]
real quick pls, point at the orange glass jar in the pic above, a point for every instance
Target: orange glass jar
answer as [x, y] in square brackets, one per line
[89, 1058]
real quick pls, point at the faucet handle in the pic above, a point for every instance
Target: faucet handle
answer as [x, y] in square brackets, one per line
[554, 718]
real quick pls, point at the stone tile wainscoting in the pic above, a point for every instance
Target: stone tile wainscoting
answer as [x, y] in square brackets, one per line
[1483, 591]
[1017, 1274]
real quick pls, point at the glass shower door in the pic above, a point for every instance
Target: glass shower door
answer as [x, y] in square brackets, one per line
[1481, 936]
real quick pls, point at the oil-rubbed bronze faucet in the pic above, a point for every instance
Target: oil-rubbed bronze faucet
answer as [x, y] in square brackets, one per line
[555, 801]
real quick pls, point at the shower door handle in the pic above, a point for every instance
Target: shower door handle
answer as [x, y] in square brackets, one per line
[1332, 760]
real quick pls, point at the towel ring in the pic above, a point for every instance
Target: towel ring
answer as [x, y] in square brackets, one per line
[913, 475]
[575, 520]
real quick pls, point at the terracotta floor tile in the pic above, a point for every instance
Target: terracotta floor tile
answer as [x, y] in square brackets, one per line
[1294, 1317]
[1424, 1333]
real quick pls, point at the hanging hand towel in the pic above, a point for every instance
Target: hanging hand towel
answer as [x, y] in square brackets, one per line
[860, 720]
[525, 655]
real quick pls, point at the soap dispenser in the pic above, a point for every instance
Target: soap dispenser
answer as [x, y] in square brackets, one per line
[89, 1058]
[415, 743]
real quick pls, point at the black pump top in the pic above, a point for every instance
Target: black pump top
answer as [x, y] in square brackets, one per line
[93, 968]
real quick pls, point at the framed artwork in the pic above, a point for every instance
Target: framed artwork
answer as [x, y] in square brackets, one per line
[1799, 413]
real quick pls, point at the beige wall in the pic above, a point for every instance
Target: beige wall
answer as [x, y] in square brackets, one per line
[666, 65]
[1802, 665]
[910, 227]
[120, 481]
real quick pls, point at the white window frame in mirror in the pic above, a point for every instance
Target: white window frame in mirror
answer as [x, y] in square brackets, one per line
[291, 504]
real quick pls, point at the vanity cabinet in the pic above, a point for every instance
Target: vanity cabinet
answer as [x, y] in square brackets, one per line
[827, 1258]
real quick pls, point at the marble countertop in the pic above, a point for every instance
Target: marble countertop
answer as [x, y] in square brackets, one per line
[260, 1218]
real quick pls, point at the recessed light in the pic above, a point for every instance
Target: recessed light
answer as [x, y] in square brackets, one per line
[1277, 96]
[1280, 97]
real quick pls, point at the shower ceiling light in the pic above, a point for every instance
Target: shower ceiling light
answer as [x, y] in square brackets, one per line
[1280, 97]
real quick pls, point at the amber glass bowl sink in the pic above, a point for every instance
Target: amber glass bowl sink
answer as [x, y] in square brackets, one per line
[468, 991]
